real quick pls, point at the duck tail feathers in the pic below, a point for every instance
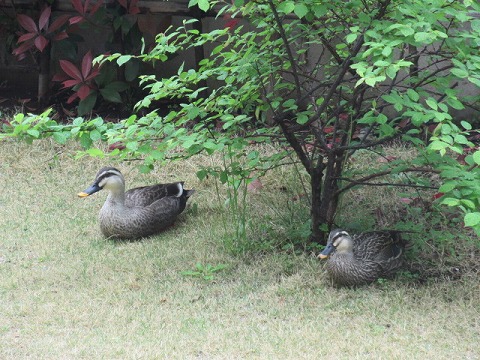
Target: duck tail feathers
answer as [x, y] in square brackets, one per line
[177, 190]
[189, 193]
[174, 189]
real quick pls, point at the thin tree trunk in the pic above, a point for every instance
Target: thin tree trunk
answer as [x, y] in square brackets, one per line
[44, 76]
[330, 196]
[316, 212]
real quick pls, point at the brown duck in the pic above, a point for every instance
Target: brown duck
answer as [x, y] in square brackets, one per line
[139, 212]
[363, 258]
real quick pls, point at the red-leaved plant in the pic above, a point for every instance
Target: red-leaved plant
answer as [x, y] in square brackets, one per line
[130, 6]
[79, 79]
[83, 79]
[39, 35]
[83, 10]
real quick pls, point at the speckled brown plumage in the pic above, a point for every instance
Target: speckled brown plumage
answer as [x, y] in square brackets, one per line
[363, 258]
[139, 212]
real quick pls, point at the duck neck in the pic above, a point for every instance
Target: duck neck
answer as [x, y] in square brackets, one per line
[117, 196]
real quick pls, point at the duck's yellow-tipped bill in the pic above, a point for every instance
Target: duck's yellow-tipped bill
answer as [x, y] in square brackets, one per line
[82, 194]
[321, 256]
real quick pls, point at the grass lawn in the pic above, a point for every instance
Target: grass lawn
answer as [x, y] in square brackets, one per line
[67, 293]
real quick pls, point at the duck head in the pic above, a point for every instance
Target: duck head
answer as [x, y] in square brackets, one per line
[338, 241]
[108, 178]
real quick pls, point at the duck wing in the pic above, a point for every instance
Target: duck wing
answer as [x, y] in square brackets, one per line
[163, 213]
[378, 245]
[166, 209]
[147, 195]
[141, 221]
[385, 248]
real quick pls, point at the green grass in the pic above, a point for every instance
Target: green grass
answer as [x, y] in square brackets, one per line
[67, 293]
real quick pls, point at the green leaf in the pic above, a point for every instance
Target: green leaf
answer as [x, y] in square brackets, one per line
[472, 219]
[381, 63]
[447, 187]
[95, 135]
[391, 72]
[320, 9]
[300, 10]
[95, 152]
[461, 139]
[286, 7]
[455, 103]
[399, 169]
[223, 177]
[111, 95]
[132, 145]
[78, 121]
[192, 112]
[398, 106]
[474, 80]
[438, 145]
[413, 95]
[350, 38]
[86, 105]
[391, 98]
[34, 133]
[290, 104]
[203, 5]
[117, 86]
[407, 31]
[371, 81]
[461, 73]
[443, 107]
[387, 51]
[146, 168]
[60, 137]
[202, 174]
[210, 145]
[85, 140]
[466, 125]
[423, 37]
[450, 202]
[302, 118]
[468, 203]
[123, 59]
[432, 103]
[188, 143]
[476, 157]
[132, 70]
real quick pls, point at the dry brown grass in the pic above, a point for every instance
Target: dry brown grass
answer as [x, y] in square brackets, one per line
[66, 293]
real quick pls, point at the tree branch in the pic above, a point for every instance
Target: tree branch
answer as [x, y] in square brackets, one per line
[286, 43]
[364, 180]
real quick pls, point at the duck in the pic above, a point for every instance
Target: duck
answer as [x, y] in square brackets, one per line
[140, 212]
[363, 258]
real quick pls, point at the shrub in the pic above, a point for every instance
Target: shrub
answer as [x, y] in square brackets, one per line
[322, 80]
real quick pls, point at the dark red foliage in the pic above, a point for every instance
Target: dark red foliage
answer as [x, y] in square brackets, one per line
[230, 22]
[82, 77]
[130, 6]
[116, 145]
[83, 10]
[39, 35]
[27, 23]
